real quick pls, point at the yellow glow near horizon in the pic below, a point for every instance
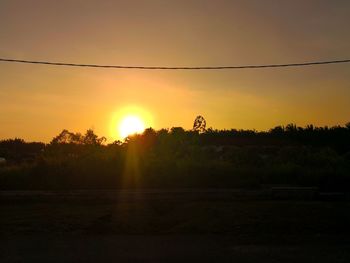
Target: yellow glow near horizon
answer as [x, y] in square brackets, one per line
[129, 120]
[131, 125]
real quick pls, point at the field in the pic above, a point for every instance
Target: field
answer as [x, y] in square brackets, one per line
[133, 228]
[178, 196]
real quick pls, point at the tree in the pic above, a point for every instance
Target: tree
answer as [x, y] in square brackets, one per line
[277, 130]
[291, 127]
[90, 138]
[199, 124]
[67, 137]
[62, 138]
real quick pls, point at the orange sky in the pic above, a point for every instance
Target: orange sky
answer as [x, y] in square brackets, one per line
[37, 102]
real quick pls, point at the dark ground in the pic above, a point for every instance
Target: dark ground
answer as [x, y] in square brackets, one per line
[132, 228]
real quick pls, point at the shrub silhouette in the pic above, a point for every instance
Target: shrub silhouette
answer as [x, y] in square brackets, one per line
[312, 156]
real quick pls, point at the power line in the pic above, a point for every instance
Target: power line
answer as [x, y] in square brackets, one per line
[310, 63]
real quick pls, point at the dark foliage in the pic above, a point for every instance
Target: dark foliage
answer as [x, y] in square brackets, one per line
[176, 158]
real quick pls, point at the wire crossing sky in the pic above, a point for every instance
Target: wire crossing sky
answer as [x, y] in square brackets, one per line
[51, 63]
[240, 64]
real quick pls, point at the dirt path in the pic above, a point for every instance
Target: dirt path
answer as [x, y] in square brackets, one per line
[165, 248]
[157, 229]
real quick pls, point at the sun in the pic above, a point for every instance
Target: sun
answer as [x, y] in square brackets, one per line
[130, 125]
[129, 119]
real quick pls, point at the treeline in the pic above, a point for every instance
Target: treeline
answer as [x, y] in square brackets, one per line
[308, 156]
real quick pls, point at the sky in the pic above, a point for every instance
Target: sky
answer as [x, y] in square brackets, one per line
[37, 101]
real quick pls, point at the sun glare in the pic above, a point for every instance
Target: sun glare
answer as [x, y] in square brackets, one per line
[128, 120]
[131, 125]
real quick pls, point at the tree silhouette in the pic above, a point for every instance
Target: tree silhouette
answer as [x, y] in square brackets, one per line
[199, 124]
[67, 137]
[91, 138]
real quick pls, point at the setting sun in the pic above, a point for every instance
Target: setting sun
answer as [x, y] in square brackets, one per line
[128, 120]
[131, 125]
